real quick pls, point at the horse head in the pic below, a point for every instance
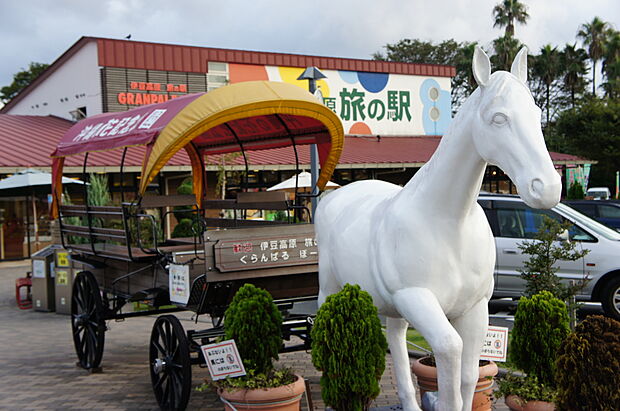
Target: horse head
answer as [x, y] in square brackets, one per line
[507, 130]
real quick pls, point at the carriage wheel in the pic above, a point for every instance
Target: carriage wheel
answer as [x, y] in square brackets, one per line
[87, 323]
[171, 369]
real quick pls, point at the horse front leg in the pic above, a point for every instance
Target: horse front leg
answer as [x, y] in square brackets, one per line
[472, 327]
[397, 341]
[420, 308]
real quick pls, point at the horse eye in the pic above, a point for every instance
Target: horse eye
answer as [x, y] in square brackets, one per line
[500, 118]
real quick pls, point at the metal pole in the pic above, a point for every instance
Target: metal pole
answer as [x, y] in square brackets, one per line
[314, 162]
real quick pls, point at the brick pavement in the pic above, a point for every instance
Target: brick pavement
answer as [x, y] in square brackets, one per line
[38, 372]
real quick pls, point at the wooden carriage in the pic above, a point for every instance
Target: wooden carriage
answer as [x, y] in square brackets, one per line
[119, 251]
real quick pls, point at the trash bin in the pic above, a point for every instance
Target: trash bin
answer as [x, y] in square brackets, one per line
[64, 281]
[43, 287]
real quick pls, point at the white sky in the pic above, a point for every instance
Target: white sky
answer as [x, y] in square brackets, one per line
[41, 30]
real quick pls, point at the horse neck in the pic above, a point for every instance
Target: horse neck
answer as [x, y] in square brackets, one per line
[450, 182]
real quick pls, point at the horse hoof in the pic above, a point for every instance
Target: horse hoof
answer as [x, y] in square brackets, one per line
[430, 401]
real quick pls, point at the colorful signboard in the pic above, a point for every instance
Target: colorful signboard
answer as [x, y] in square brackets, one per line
[370, 103]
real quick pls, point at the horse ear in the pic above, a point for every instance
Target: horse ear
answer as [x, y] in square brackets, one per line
[519, 65]
[481, 66]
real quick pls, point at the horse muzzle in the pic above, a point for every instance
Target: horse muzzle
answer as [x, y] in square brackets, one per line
[542, 193]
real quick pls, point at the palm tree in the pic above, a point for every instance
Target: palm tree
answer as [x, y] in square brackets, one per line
[506, 48]
[507, 12]
[611, 64]
[594, 35]
[547, 68]
[573, 63]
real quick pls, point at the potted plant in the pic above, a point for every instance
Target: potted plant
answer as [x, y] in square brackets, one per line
[349, 347]
[588, 366]
[541, 324]
[426, 374]
[255, 323]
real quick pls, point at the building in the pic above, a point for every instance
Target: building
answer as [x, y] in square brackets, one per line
[393, 113]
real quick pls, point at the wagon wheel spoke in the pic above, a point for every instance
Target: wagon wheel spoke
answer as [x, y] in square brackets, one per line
[159, 347]
[159, 383]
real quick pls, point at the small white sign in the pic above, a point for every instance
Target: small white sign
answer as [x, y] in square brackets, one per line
[495, 344]
[38, 269]
[223, 360]
[178, 283]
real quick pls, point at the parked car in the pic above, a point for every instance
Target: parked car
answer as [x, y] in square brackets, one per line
[606, 212]
[513, 222]
[598, 193]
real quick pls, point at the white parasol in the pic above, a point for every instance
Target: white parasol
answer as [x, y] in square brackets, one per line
[303, 183]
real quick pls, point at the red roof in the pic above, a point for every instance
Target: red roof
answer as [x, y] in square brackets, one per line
[172, 57]
[28, 141]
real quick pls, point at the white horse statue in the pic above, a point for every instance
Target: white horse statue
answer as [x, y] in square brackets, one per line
[425, 251]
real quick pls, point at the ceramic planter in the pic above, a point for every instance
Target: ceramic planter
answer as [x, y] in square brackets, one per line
[284, 398]
[427, 381]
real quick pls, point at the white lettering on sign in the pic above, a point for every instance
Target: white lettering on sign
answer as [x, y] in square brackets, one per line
[151, 119]
[223, 360]
[115, 126]
[495, 344]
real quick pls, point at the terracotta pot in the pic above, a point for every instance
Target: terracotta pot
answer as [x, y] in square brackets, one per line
[284, 398]
[517, 404]
[427, 381]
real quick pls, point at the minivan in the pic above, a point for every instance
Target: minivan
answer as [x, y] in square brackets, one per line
[514, 222]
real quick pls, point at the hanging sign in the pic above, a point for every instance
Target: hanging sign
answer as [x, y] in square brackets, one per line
[495, 344]
[223, 360]
[178, 283]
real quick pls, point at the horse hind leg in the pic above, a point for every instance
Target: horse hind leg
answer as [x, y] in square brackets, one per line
[396, 335]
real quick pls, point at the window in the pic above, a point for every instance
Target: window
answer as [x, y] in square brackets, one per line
[607, 211]
[587, 209]
[517, 220]
[217, 75]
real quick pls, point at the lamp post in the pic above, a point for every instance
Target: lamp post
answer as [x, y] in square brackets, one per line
[312, 74]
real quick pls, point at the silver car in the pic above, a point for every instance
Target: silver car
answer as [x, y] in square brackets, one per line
[512, 222]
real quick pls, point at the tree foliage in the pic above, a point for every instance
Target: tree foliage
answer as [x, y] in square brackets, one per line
[539, 271]
[541, 324]
[588, 366]
[21, 80]
[594, 36]
[255, 323]
[507, 13]
[592, 131]
[349, 347]
[575, 191]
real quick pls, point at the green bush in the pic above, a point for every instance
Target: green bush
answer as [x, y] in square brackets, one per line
[588, 366]
[255, 323]
[349, 347]
[575, 191]
[541, 324]
[183, 212]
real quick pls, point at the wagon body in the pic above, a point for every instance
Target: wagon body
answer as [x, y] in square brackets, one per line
[122, 258]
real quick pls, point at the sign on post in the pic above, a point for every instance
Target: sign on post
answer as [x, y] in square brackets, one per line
[495, 344]
[223, 360]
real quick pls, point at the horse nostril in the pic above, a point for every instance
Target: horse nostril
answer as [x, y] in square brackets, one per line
[537, 187]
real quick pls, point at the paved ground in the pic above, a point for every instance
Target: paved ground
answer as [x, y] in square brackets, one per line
[38, 372]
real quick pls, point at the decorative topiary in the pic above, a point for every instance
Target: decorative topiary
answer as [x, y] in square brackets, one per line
[575, 191]
[255, 323]
[541, 324]
[588, 366]
[349, 347]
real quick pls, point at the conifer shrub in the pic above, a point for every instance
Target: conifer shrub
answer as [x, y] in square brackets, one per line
[349, 347]
[541, 324]
[575, 191]
[255, 323]
[588, 366]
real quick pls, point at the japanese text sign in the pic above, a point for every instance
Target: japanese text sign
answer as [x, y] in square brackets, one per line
[495, 344]
[223, 360]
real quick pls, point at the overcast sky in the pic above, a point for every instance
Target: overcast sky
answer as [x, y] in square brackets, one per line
[41, 30]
